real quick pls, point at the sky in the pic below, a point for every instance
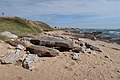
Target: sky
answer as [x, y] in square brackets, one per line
[66, 13]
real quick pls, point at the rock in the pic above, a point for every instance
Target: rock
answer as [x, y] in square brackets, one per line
[87, 45]
[88, 51]
[53, 42]
[16, 43]
[106, 56]
[43, 51]
[25, 39]
[21, 47]
[30, 61]
[11, 57]
[9, 34]
[116, 49]
[74, 56]
[80, 49]
[93, 38]
[95, 48]
[92, 47]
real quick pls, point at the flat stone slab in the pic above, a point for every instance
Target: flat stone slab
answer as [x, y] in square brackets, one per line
[53, 42]
[43, 51]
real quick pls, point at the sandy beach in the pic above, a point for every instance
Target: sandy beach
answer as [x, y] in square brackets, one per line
[103, 65]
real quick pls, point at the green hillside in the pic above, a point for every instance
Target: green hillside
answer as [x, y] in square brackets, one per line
[20, 26]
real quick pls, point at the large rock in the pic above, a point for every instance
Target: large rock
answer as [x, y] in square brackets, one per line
[10, 57]
[9, 34]
[30, 61]
[53, 42]
[43, 51]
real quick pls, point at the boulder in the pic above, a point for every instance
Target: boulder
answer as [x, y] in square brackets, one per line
[30, 61]
[43, 51]
[10, 57]
[53, 42]
[9, 34]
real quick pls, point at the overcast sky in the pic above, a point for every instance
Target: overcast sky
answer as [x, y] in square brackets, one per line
[66, 13]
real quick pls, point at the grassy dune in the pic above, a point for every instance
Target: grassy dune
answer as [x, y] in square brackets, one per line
[20, 26]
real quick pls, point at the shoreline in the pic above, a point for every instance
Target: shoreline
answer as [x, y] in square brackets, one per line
[99, 35]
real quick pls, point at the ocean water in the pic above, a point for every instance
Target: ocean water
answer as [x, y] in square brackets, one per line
[111, 34]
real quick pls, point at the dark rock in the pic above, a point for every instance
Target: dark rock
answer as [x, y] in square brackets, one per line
[35, 41]
[93, 38]
[95, 48]
[42, 51]
[106, 57]
[116, 49]
[87, 45]
[92, 47]
[80, 49]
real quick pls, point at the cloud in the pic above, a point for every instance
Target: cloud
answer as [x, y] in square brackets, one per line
[62, 10]
[61, 7]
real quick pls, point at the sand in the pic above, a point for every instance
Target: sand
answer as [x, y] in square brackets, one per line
[93, 66]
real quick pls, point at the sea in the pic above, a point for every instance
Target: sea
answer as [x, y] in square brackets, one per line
[110, 34]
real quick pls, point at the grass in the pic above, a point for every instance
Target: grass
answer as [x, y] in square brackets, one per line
[21, 26]
[3, 37]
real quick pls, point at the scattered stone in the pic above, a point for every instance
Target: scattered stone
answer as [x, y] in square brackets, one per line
[30, 61]
[80, 49]
[88, 51]
[43, 51]
[87, 45]
[93, 38]
[116, 49]
[74, 56]
[9, 34]
[92, 47]
[95, 48]
[106, 57]
[118, 71]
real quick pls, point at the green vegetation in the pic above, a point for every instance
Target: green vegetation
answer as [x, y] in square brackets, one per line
[3, 37]
[21, 26]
